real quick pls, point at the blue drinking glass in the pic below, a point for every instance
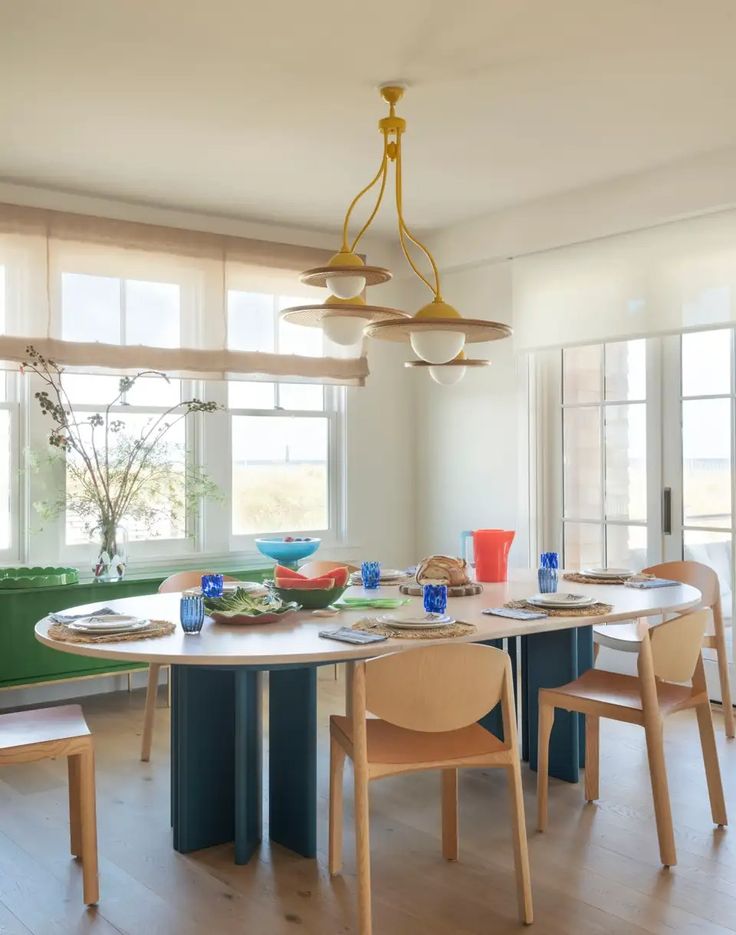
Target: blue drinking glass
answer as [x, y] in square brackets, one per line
[212, 585]
[547, 574]
[435, 598]
[370, 574]
[191, 612]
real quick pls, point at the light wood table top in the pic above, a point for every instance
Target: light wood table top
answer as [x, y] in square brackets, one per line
[296, 640]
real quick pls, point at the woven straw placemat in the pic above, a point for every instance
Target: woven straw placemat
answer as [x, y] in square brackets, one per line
[593, 610]
[453, 590]
[62, 633]
[438, 633]
[580, 578]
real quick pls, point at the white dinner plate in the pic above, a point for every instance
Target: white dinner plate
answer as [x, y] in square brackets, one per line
[415, 622]
[604, 573]
[109, 623]
[253, 587]
[561, 600]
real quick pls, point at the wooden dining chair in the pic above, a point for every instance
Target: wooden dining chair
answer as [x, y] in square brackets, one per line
[178, 582]
[427, 704]
[623, 637]
[47, 733]
[670, 653]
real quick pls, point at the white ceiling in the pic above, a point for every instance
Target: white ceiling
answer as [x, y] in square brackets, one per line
[268, 110]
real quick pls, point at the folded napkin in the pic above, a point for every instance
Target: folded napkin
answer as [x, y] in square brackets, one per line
[514, 614]
[70, 618]
[358, 603]
[650, 583]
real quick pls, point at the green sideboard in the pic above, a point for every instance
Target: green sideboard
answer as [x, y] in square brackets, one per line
[25, 661]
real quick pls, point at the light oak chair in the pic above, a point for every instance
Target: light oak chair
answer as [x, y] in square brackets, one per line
[427, 702]
[178, 582]
[625, 637]
[670, 653]
[46, 733]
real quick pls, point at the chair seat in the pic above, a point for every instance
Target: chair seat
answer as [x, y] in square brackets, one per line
[42, 725]
[622, 691]
[388, 743]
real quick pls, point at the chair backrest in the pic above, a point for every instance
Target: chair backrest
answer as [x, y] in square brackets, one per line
[676, 646]
[186, 579]
[437, 688]
[696, 574]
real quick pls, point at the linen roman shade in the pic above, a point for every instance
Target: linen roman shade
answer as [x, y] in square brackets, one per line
[663, 280]
[38, 248]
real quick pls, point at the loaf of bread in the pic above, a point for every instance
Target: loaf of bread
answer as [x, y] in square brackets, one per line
[443, 568]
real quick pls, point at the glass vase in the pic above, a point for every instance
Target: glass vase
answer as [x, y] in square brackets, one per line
[110, 556]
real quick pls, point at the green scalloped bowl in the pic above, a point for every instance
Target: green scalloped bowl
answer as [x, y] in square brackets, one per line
[37, 577]
[311, 599]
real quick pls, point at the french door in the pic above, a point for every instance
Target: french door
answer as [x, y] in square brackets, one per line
[647, 456]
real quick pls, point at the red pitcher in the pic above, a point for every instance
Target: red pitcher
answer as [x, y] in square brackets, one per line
[491, 552]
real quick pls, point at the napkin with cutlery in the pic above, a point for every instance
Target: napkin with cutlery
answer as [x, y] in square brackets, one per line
[70, 618]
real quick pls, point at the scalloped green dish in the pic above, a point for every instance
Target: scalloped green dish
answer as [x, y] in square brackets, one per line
[37, 577]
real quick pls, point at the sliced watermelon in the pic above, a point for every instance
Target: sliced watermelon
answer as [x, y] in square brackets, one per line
[340, 575]
[281, 572]
[305, 584]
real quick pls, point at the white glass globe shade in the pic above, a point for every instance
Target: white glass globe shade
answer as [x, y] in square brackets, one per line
[346, 287]
[446, 376]
[437, 347]
[343, 329]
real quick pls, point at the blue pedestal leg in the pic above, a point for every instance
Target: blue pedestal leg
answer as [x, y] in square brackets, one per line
[202, 757]
[493, 721]
[293, 759]
[248, 765]
[552, 660]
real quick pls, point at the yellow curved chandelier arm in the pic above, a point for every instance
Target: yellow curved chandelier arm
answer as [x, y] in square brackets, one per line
[405, 232]
[384, 175]
[381, 171]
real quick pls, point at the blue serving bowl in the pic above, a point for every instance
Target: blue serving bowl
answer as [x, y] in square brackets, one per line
[287, 552]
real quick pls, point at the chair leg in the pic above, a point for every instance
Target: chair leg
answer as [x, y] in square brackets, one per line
[596, 651]
[450, 822]
[710, 761]
[521, 851]
[722, 658]
[592, 757]
[337, 763]
[168, 686]
[546, 720]
[660, 791]
[75, 818]
[150, 711]
[362, 847]
[88, 813]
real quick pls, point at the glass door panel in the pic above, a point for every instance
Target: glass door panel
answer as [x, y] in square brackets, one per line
[706, 462]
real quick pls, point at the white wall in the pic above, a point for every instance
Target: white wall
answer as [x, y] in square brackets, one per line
[468, 436]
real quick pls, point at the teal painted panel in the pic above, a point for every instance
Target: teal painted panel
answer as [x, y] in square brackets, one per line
[23, 660]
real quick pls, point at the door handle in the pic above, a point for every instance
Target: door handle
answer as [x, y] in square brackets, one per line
[667, 511]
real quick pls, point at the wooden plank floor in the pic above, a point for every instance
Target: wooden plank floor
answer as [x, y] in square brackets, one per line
[595, 871]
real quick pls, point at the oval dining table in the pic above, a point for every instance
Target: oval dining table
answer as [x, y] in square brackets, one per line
[216, 722]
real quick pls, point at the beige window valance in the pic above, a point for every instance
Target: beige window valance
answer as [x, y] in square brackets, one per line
[39, 247]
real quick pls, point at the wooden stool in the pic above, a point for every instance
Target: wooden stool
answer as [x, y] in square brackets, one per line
[47, 733]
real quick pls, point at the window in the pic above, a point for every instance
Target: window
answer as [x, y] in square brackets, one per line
[604, 431]
[272, 451]
[281, 433]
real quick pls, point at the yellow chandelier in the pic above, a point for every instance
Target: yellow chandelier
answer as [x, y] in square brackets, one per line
[437, 332]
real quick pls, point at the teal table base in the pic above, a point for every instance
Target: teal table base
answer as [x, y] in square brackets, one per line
[549, 660]
[216, 765]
